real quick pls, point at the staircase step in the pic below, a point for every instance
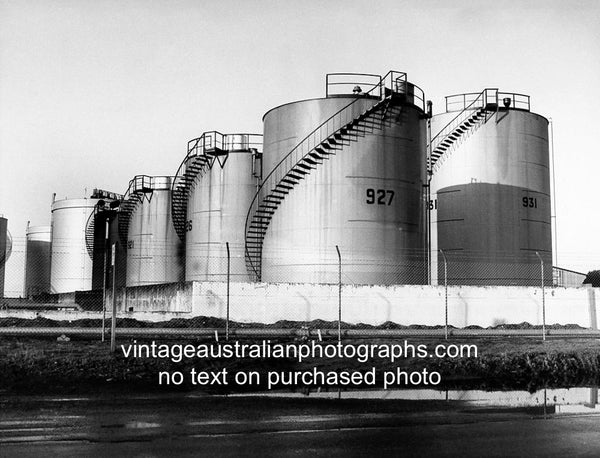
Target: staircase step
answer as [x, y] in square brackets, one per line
[299, 170]
[274, 199]
[370, 122]
[283, 186]
[324, 151]
[261, 234]
[336, 140]
[305, 166]
[310, 161]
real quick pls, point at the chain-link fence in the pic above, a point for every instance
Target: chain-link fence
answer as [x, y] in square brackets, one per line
[335, 291]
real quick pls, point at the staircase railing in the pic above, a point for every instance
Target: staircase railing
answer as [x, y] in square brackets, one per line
[393, 84]
[481, 101]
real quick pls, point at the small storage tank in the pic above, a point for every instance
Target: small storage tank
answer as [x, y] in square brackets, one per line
[345, 170]
[218, 199]
[154, 251]
[71, 264]
[37, 260]
[490, 191]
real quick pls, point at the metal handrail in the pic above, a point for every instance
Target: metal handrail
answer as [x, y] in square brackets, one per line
[354, 81]
[143, 183]
[518, 101]
[344, 116]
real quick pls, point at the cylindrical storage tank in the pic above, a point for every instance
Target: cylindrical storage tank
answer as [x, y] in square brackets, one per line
[490, 193]
[366, 198]
[217, 207]
[37, 260]
[71, 264]
[154, 251]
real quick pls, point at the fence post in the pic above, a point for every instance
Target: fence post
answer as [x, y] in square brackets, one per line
[445, 293]
[339, 293]
[543, 297]
[228, 280]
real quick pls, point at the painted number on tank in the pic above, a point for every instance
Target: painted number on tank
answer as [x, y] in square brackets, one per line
[433, 204]
[188, 225]
[380, 196]
[130, 244]
[530, 202]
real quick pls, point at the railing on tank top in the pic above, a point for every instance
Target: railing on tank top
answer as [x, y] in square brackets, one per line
[459, 102]
[368, 84]
[393, 83]
[216, 141]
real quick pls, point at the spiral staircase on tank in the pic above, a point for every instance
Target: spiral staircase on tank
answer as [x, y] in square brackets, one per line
[90, 225]
[346, 126]
[139, 187]
[8, 251]
[473, 116]
[202, 152]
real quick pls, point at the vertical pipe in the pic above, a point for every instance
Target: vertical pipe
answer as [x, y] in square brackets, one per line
[104, 273]
[427, 235]
[339, 294]
[428, 196]
[445, 294]
[543, 298]
[228, 280]
[113, 326]
[553, 191]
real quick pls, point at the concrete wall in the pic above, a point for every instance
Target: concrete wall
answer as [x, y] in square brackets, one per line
[403, 304]
[169, 297]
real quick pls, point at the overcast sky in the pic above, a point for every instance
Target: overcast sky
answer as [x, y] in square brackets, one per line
[95, 92]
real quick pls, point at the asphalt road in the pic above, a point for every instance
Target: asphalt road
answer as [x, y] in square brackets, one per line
[183, 425]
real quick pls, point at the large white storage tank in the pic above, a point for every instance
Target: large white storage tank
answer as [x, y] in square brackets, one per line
[490, 191]
[154, 252]
[71, 264]
[345, 170]
[37, 260]
[220, 188]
